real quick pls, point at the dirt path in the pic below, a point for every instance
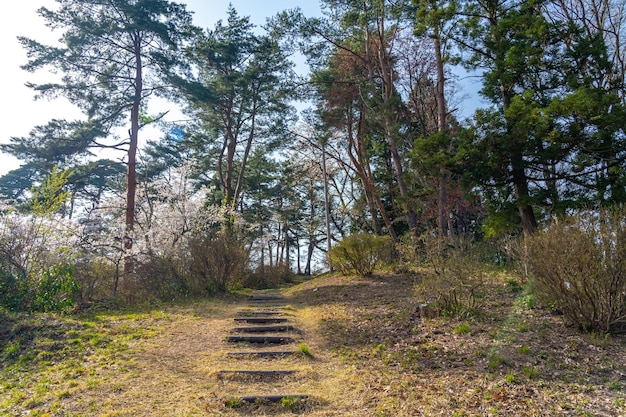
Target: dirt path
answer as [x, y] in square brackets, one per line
[177, 372]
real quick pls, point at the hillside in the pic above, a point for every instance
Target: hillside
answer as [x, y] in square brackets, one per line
[373, 354]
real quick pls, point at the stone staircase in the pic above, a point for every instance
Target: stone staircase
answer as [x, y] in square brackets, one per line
[264, 343]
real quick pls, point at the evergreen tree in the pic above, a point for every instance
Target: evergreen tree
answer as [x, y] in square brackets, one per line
[354, 50]
[552, 140]
[436, 19]
[509, 42]
[240, 99]
[113, 56]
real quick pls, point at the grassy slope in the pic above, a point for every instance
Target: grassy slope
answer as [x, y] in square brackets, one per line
[373, 356]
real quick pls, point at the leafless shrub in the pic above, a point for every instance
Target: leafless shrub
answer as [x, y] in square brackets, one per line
[95, 275]
[268, 277]
[411, 248]
[579, 267]
[456, 283]
[162, 277]
[218, 259]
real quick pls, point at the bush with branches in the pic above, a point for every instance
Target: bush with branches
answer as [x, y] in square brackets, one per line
[35, 254]
[267, 277]
[361, 253]
[455, 283]
[36, 251]
[579, 268]
[218, 259]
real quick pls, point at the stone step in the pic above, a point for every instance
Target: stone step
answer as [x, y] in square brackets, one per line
[263, 353]
[272, 398]
[274, 340]
[266, 298]
[256, 313]
[264, 329]
[257, 373]
[261, 320]
[266, 305]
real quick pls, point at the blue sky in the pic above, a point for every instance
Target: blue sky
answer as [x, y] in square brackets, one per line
[20, 113]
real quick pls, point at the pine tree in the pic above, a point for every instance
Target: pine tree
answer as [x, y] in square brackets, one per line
[113, 56]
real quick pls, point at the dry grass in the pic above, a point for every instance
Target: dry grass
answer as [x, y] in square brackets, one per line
[512, 360]
[373, 355]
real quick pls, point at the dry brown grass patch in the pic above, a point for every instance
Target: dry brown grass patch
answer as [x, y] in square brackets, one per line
[373, 355]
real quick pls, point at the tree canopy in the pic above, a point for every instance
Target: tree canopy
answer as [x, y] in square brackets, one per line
[371, 131]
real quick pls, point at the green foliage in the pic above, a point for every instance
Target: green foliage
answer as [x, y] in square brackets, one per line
[496, 361]
[239, 70]
[511, 378]
[111, 92]
[531, 372]
[233, 402]
[11, 293]
[579, 266]
[49, 197]
[361, 253]
[304, 349]
[36, 254]
[462, 329]
[56, 290]
[513, 286]
[291, 403]
[565, 119]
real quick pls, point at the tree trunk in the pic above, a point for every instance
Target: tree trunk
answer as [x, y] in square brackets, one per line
[369, 196]
[386, 74]
[361, 164]
[309, 257]
[520, 184]
[299, 266]
[244, 160]
[442, 127]
[287, 263]
[262, 266]
[326, 208]
[131, 185]
[311, 229]
[231, 147]
[516, 158]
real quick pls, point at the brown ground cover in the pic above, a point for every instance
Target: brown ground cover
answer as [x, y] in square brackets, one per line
[511, 359]
[374, 354]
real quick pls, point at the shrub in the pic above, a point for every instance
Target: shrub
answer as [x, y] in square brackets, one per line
[35, 251]
[218, 259]
[56, 290]
[361, 253]
[96, 276]
[267, 277]
[411, 248]
[10, 292]
[456, 283]
[579, 267]
[162, 277]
